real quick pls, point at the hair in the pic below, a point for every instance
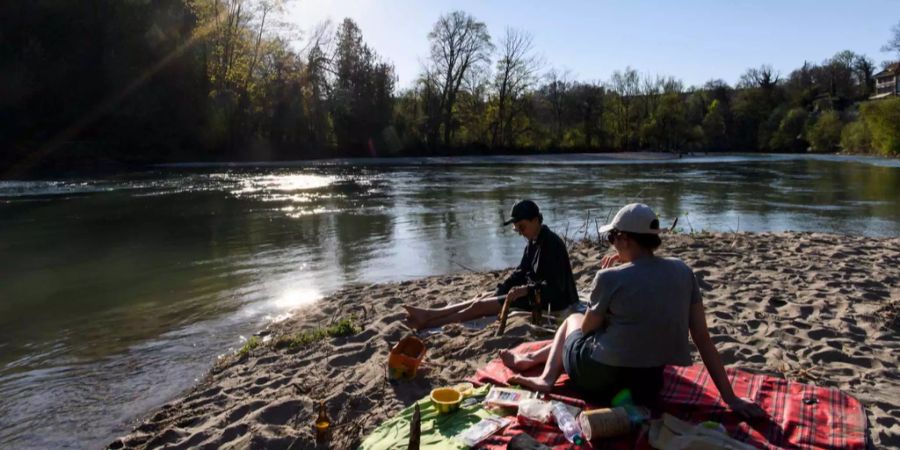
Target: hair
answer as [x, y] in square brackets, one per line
[649, 242]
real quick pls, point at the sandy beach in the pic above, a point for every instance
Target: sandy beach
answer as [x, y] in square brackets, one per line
[817, 308]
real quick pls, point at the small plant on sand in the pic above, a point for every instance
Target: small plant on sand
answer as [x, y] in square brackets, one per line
[343, 327]
[251, 343]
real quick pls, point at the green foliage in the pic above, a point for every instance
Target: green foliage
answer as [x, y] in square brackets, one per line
[714, 128]
[248, 347]
[825, 134]
[107, 81]
[666, 128]
[882, 119]
[855, 137]
[343, 327]
[789, 136]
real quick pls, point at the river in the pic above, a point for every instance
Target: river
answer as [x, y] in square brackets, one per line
[117, 293]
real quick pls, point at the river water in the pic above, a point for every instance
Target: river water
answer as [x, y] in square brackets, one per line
[117, 294]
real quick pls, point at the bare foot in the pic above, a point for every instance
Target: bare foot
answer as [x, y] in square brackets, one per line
[518, 362]
[536, 383]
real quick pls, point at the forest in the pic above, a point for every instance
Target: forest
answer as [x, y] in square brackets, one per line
[106, 84]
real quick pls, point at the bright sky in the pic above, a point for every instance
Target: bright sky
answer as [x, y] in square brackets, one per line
[694, 40]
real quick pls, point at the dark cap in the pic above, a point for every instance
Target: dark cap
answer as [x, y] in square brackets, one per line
[523, 210]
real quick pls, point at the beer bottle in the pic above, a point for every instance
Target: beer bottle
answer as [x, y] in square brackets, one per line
[323, 424]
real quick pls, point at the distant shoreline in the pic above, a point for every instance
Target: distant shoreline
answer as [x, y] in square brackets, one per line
[535, 159]
[108, 167]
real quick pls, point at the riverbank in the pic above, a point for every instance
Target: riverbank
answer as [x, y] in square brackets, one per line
[817, 308]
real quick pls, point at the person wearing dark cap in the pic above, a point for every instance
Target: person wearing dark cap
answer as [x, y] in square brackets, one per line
[544, 267]
[640, 316]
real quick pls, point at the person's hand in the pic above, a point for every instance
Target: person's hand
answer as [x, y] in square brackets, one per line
[517, 292]
[609, 260]
[746, 408]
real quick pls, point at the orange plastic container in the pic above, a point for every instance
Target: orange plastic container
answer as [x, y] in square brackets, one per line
[405, 357]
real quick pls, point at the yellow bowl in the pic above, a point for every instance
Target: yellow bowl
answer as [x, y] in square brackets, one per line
[446, 400]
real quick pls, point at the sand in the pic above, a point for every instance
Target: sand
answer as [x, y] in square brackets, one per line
[815, 308]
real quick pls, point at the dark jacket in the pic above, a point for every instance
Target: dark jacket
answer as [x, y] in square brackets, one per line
[545, 265]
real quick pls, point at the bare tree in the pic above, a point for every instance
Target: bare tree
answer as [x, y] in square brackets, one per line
[864, 69]
[458, 42]
[558, 86]
[516, 71]
[893, 45]
[627, 87]
[764, 77]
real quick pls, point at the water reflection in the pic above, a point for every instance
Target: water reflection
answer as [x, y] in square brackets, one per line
[117, 293]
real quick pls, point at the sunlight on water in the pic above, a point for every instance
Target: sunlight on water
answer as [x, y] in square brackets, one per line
[296, 297]
[295, 212]
[285, 183]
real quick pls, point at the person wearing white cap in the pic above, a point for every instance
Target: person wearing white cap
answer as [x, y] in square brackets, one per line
[641, 313]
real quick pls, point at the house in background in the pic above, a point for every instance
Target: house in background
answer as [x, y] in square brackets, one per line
[887, 82]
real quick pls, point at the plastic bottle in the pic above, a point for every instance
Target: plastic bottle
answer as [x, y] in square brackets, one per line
[567, 423]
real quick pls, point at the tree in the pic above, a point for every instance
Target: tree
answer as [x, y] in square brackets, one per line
[361, 102]
[714, 127]
[881, 119]
[856, 137]
[864, 70]
[588, 100]
[789, 136]
[666, 128]
[516, 71]
[626, 85]
[458, 43]
[554, 93]
[893, 44]
[825, 134]
[763, 77]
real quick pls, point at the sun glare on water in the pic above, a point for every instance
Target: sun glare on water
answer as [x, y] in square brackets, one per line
[294, 298]
[286, 183]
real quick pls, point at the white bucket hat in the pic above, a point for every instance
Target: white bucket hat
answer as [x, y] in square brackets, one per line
[634, 218]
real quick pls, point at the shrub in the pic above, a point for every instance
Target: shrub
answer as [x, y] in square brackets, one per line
[882, 119]
[251, 343]
[856, 137]
[825, 134]
[343, 327]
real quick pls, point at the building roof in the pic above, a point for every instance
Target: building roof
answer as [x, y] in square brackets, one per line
[892, 69]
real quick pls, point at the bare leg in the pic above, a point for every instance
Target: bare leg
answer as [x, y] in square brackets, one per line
[418, 317]
[473, 310]
[554, 366]
[521, 362]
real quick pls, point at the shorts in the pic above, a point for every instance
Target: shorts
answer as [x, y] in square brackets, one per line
[602, 382]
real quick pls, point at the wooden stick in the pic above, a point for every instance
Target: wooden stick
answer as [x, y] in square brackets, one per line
[504, 312]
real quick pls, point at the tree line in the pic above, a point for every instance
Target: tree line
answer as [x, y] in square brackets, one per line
[104, 82]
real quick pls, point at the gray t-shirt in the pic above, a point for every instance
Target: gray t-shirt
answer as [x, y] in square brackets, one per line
[646, 309]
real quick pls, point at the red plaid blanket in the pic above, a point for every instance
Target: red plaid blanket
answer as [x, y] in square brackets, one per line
[800, 416]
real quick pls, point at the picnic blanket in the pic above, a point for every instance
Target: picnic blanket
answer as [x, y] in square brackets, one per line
[436, 431]
[801, 416]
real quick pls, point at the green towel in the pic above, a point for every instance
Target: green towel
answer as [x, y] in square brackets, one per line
[437, 430]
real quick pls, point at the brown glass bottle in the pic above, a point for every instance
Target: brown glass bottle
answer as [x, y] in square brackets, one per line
[323, 424]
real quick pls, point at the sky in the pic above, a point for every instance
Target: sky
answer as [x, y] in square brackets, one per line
[693, 40]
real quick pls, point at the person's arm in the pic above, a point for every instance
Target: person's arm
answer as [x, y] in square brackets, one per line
[516, 278]
[713, 363]
[593, 320]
